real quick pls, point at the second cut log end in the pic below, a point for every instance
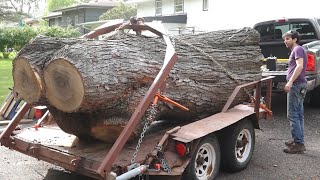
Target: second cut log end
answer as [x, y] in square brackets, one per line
[64, 85]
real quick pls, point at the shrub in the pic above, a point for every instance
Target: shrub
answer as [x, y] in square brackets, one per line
[120, 12]
[17, 37]
[12, 54]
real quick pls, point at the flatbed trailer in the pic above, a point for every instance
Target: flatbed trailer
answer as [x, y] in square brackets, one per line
[193, 150]
[51, 144]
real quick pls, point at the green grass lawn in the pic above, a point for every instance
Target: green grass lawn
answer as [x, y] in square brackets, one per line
[5, 78]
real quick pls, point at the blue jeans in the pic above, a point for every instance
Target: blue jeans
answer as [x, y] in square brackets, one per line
[295, 111]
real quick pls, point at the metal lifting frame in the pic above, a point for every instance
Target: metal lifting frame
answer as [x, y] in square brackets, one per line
[158, 84]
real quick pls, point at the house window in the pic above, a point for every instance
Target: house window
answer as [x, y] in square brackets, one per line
[178, 6]
[158, 7]
[68, 21]
[56, 21]
[76, 20]
[205, 5]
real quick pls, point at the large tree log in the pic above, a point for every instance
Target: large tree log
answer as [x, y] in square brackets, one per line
[95, 86]
[29, 63]
[97, 74]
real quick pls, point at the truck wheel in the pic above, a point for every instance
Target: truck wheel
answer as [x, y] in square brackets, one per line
[237, 145]
[315, 97]
[205, 163]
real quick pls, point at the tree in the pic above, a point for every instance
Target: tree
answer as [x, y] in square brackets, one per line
[57, 4]
[120, 12]
[14, 10]
[93, 87]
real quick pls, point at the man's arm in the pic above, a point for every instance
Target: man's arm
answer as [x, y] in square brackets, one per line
[295, 74]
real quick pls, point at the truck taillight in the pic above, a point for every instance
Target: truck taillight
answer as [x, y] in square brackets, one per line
[311, 66]
[181, 149]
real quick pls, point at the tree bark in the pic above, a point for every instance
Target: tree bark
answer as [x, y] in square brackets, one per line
[94, 86]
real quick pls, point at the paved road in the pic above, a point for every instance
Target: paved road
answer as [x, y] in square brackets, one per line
[268, 162]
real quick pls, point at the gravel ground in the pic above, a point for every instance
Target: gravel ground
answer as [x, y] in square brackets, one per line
[268, 161]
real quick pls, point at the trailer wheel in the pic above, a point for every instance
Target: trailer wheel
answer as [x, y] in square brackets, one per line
[205, 162]
[237, 144]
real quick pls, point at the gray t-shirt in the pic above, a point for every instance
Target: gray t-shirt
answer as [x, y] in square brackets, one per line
[296, 53]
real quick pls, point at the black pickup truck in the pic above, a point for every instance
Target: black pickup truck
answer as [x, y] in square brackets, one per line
[276, 54]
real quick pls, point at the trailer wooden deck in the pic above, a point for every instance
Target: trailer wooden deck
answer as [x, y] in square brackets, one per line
[51, 144]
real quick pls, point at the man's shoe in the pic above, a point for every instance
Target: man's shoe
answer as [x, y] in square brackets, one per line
[289, 143]
[296, 148]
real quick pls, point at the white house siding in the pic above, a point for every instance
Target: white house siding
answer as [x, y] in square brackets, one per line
[196, 17]
[167, 7]
[146, 9]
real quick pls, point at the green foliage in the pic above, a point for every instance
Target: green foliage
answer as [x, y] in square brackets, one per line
[57, 31]
[43, 23]
[58, 4]
[5, 78]
[12, 54]
[17, 37]
[120, 12]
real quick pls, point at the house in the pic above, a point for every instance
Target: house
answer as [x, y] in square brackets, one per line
[189, 16]
[54, 18]
[81, 13]
[177, 16]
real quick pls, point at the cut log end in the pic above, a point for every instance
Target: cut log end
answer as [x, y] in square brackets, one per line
[27, 82]
[108, 133]
[64, 85]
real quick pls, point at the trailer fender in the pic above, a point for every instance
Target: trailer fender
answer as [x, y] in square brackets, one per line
[212, 123]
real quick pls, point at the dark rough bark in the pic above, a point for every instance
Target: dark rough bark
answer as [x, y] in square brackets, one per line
[41, 48]
[117, 72]
[120, 70]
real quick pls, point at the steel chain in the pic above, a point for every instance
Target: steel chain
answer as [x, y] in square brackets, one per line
[231, 76]
[165, 165]
[150, 116]
[173, 42]
[158, 148]
[117, 29]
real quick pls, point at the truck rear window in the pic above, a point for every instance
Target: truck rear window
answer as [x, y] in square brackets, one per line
[274, 31]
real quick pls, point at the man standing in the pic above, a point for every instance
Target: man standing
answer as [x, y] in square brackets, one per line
[296, 88]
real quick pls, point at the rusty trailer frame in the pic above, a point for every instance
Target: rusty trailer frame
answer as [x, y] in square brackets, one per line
[100, 166]
[76, 160]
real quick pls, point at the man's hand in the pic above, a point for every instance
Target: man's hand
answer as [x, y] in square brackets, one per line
[287, 87]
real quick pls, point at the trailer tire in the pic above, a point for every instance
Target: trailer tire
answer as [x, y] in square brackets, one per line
[205, 162]
[237, 145]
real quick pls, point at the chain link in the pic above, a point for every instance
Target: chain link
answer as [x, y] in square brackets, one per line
[150, 117]
[164, 165]
[114, 32]
[172, 39]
